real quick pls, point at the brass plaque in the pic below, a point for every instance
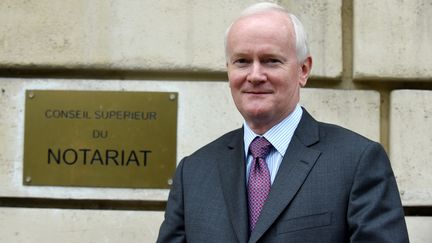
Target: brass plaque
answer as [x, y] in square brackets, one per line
[100, 138]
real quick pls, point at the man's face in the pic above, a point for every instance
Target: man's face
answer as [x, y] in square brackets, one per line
[264, 74]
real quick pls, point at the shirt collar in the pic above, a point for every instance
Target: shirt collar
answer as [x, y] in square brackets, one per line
[279, 135]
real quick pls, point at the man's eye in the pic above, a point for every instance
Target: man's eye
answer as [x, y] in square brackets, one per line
[272, 60]
[241, 61]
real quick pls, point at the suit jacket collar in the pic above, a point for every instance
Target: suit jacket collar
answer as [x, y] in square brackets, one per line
[232, 171]
[308, 130]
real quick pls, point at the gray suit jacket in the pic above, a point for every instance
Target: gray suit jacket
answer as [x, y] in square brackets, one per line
[332, 186]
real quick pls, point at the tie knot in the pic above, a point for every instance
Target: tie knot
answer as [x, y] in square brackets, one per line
[260, 147]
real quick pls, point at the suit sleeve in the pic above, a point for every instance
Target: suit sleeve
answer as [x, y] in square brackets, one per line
[172, 229]
[375, 212]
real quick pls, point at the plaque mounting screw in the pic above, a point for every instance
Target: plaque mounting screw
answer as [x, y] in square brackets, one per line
[28, 179]
[170, 182]
[172, 96]
[31, 95]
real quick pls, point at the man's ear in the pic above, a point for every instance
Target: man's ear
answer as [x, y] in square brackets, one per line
[305, 70]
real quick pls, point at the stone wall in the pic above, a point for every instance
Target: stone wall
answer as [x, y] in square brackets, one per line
[372, 73]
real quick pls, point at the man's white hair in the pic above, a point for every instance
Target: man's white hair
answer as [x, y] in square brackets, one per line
[301, 43]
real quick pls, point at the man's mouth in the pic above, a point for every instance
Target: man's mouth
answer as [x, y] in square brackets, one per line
[257, 92]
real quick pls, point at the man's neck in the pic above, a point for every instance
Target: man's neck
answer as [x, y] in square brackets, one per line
[262, 125]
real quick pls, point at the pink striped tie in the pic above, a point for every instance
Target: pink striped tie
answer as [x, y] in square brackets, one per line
[259, 179]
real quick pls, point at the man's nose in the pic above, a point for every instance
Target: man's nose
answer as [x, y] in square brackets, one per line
[256, 74]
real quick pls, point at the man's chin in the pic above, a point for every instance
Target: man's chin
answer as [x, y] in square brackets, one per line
[256, 111]
[257, 114]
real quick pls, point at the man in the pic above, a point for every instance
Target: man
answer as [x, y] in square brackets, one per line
[283, 177]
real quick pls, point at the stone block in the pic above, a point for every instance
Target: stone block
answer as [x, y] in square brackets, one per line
[69, 226]
[357, 110]
[411, 144]
[205, 112]
[145, 35]
[392, 39]
[419, 229]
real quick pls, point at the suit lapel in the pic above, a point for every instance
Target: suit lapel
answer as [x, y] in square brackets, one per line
[299, 159]
[231, 166]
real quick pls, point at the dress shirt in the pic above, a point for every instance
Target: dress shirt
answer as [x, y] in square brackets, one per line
[279, 136]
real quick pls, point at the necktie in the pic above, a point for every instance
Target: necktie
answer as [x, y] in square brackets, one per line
[259, 179]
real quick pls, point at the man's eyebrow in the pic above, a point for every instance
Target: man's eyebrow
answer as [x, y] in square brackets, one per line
[239, 55]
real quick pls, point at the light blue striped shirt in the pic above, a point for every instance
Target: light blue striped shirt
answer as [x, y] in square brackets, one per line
[279, 136]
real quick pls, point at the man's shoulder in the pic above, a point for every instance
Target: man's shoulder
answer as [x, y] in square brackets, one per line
[344, 141]
[335, 132]
[330, 132]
